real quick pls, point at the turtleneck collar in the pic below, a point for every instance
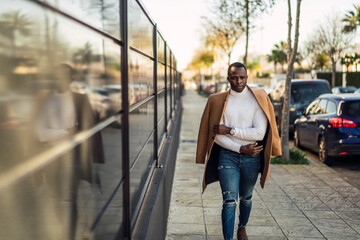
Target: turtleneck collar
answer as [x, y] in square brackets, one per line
[239, 94]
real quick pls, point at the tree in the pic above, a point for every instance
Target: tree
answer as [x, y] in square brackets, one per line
[292, 52]
[203, 59]
[251, 9]
[224, 28]
[278, 55]
[12, 24]
[352, 19]
[332, 41]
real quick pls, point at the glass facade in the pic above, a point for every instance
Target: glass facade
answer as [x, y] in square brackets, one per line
[66, 172]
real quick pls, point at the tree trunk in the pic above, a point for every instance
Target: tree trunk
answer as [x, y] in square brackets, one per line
[291, 60]
[333, 75]
[247, 31]
[275, 67]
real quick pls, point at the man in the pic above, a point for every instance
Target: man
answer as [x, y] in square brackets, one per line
[237, 137]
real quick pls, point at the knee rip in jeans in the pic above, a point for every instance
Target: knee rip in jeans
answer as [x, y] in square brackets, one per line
[229, 202]
[246, 199]
[229, 198]
[224, 167]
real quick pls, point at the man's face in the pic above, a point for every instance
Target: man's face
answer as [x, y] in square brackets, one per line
[237, 78]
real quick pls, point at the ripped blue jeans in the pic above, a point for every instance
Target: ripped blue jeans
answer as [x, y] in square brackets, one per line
[238, 173]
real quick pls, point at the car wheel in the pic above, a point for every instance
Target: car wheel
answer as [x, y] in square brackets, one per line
[323, 152]
[296, 138]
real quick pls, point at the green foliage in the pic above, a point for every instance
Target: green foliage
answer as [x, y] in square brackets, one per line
[296, 157]
[203, 59]
[352, 19]
[352, 78]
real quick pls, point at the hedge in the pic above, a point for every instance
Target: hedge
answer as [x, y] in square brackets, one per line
[352, 78]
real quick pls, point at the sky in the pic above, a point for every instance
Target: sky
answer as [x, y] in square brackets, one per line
[180, 23]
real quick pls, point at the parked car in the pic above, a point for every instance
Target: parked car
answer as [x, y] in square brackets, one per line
[259, 85]
[357, 90]
[330, 125]
[302, 93]
[347, 89]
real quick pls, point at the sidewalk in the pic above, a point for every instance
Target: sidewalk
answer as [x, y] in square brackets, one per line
[298, 202]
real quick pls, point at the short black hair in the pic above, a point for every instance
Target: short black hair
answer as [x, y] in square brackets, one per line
[236, 65]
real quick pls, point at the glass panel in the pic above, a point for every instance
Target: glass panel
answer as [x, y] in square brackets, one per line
[321, 107]
[140, 173]
[168, 103]
[60, 201]
[352, 109]
[54, 79]
[140, 29]
[167, 56]
[160, 76]
[161, 130]
[101, 14]
[161, 104]
[112, 220]
[141, 77]
[331, 107]
[160, 49]
[141, 123]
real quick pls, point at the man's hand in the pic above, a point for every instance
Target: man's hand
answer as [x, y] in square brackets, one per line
[221, 129]
[251, 149]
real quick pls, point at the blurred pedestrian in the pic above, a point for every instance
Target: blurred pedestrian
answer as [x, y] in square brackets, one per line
[236, 139]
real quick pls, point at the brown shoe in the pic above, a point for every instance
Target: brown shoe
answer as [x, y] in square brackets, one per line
[241, 234]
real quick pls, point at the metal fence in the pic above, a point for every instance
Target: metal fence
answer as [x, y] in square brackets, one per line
[88, 91]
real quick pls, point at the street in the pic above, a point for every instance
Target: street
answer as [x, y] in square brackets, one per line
[348, 168]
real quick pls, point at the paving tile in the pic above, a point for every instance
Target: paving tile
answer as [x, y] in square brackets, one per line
[264, 231]
[186, 199]
[306, 238]
[291, 221]
[215, 229]
[335, 229]
[185, 237]
[301, 231]
[262, 221]
[321, 214]
[312, 205]
[188, 229]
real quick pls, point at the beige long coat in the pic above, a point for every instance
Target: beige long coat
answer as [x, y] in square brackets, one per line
[207, 152]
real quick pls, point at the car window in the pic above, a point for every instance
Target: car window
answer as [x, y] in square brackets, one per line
[321, 107]
[311, 108]
[307, 91]
[352, 109]
[331, 107]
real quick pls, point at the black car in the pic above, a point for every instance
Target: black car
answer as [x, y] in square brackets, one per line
[331, 126]
[302, 93]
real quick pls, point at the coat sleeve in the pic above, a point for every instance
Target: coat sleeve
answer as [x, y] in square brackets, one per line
[203, 135]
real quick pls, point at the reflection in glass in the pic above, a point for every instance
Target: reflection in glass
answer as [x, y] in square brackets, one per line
[140, 29]
[160, 104]
[101, 14]
[141, 77]
[168, 56]
[140, 172]
[160, 49]
[112, 219]
[161, 130]
[160, 76]
[141, 124]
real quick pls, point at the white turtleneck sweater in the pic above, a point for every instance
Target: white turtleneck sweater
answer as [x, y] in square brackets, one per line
[244, 114]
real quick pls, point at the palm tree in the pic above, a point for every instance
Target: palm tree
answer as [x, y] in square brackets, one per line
[352, 19]
[278, 55]
[13, 23]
